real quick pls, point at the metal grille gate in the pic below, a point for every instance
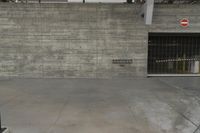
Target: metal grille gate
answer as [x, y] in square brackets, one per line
[174, 53]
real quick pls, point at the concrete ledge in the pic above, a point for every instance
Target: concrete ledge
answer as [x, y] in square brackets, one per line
[173, 75]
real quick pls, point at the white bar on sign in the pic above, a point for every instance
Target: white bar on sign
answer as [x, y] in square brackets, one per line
[105, 1]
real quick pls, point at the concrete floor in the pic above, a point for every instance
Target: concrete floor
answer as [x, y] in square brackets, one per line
[150, 105]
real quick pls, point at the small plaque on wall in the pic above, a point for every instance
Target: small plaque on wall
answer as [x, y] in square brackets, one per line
[122, 61]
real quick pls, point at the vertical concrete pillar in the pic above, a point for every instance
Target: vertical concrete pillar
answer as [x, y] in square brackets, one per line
[147, 11]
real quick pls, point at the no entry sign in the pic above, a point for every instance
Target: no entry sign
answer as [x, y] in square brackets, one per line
[184, 22]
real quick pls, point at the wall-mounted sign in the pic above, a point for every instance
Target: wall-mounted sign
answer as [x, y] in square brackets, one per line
[122, 61]
[184, 22]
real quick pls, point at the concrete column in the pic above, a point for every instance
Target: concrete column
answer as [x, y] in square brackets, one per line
[147, 11]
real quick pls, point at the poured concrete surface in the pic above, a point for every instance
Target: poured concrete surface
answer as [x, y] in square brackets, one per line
[151, 105]
[81, 40]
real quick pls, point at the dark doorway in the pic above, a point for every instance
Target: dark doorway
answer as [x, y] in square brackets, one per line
[174, 53]
[129, 1]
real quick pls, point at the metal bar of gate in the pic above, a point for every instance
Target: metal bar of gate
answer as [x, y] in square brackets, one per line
[174, 53]
[0, 123]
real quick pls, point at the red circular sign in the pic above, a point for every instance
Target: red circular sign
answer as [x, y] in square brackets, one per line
[184, 22]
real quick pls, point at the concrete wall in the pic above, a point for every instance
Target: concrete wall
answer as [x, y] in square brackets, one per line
[81, 40]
